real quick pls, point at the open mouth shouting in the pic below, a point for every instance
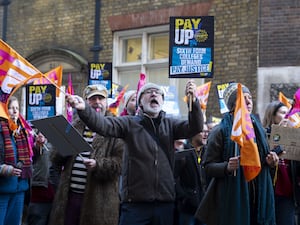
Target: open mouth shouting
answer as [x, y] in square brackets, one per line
[154, 103]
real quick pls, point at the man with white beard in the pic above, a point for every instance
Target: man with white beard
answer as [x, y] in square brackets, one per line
[148, 190]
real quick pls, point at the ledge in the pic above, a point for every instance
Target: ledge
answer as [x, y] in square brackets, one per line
[156, 17]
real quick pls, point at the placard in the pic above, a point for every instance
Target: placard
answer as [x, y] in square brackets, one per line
[101, 73]
[191, 47]
[220, 91]
[40, 101]
[288, 139]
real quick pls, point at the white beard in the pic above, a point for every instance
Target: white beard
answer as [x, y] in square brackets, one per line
[152, 110]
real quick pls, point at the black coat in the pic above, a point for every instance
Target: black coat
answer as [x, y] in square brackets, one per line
[147, 169]
[190, 180]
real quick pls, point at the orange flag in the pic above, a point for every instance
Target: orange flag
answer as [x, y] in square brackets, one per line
[3, 111]
[243, 134]
[53, 76]
[114, 107]
[284, 100]
[14, 72]
[202, 93]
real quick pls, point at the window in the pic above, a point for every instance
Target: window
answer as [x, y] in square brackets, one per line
[132, 51]
[146, 51]
[158, 46]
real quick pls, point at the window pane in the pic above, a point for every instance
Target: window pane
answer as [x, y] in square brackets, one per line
[132, 50]
[158, 76]
[159, 46]
[129, 77]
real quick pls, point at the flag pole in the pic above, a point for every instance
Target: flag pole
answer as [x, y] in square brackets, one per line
[235, 154]
[21, 84]
[54, 84]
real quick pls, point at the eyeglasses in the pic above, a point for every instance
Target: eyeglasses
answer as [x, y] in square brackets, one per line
[151, 91]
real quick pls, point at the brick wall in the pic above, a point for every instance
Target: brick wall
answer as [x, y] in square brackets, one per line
[279, 29]
[34, 25]
[235, 46]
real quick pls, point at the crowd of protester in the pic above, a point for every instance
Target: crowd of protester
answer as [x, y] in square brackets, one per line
[146, 168]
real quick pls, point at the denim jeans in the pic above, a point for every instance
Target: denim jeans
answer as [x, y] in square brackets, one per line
[148, 213]
[11, 208]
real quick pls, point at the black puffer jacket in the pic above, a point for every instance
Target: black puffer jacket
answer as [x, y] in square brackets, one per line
[147, 172]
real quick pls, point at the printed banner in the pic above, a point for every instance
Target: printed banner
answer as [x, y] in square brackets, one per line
[220, 91]
[101, 73]
[191, 50]
[41, 101]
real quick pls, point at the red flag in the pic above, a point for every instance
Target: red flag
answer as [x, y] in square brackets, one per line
[113, 107]
[243, 134]
[141, 82]
[70, 91]
[53, 76]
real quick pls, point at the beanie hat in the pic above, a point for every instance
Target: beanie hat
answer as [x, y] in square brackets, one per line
[229, 95]
[127, 97]
[146, 87]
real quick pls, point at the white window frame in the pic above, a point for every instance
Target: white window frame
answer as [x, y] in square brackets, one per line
[145, 63]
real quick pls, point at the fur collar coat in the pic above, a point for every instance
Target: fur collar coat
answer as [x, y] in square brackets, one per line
[101, 199]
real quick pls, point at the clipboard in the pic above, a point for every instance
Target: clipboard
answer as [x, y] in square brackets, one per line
[62, 135]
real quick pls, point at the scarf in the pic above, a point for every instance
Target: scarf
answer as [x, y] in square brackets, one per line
[22, 149]
[236, 202]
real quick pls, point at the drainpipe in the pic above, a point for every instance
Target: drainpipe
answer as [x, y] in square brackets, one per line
[5, 4]
[97, 47]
